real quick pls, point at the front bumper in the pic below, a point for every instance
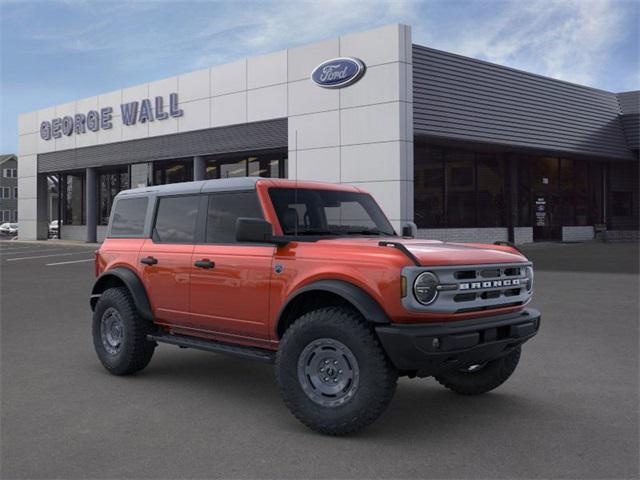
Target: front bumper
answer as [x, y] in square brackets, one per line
[431, 349]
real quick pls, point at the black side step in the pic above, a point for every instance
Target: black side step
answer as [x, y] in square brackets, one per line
[259, 354]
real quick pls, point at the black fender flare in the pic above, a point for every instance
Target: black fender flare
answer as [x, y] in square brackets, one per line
[368, 307]
[132, 282]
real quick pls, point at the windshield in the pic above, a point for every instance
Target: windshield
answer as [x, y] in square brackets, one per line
[306, 211]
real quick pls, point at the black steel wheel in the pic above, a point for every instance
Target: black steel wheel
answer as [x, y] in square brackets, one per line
[120, 334]
[332, 372]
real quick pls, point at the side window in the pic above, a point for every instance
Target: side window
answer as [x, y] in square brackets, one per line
[128, 217]
[224, 209]
[176, 219]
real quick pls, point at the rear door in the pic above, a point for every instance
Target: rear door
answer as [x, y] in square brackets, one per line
[165, 258]
[230, 281]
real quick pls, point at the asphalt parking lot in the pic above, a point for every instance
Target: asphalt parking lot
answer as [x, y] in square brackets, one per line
[569, 411]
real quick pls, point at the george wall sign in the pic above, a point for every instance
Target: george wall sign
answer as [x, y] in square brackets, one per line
[94, 120]
[338, 72]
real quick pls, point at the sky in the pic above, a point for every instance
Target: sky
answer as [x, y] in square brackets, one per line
[55, 51]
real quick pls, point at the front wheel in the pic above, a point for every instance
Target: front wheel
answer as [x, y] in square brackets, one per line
[332, 372]
[482, 378]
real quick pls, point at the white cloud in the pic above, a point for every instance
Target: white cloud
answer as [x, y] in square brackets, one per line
[569, 40]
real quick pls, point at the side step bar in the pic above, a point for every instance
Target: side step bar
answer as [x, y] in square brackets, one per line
[184, 341]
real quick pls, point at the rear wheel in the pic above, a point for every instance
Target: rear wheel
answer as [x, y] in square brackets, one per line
[332, 372]
[120, 334]
[481, 378]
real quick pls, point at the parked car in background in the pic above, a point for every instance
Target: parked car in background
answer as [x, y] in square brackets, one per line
[54, 229]
[9, 229]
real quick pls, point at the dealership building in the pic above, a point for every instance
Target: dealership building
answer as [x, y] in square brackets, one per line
[465, 149]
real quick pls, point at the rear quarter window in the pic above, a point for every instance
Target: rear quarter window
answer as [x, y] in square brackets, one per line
[128, 217]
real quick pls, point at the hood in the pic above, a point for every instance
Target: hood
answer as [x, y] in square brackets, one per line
[445, 253]
[435, 253]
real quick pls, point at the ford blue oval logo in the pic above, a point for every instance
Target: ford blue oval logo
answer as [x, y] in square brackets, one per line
[338, 72]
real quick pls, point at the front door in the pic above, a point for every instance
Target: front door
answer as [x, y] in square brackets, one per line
[165, 259]
[546, 201]
[230, 281]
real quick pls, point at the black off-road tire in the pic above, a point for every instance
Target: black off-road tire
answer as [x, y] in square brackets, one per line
[134, 351]
[487, 378]
[377, 378]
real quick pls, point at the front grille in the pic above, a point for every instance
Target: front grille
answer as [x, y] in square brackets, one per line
[473, 287]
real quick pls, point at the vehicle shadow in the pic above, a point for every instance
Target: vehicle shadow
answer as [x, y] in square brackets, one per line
[585, 257]
[419, 408]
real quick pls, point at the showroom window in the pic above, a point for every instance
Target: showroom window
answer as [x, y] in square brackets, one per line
[110, 183]
[173, 171]
[623, 198]
[264, 164]
[490, 172]
[458, 188]
[73, 195]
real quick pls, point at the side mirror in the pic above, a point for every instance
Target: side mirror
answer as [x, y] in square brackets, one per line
[250, 230]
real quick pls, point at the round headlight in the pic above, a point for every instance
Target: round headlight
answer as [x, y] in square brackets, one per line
[425, 288]
[529, 274]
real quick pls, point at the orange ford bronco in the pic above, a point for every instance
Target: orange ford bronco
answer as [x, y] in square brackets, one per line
[312, 277]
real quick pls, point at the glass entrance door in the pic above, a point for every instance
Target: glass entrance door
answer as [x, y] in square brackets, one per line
[546, 201]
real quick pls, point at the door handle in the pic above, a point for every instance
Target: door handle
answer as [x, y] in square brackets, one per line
[204, 263]
[149, 260]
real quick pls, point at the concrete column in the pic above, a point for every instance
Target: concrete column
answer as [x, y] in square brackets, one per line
[91, 205]
[511, 195]
[42, 211]
[199, 168]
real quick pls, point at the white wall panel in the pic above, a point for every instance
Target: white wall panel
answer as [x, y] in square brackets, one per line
[380, 84]
[267, 70]
[229, 109]
[111, 99]
[27, 166]
[197, 115]
[130, 132]
[374, 47]
[162, 88]
[306, 97]
[371, 124]
[303, 59]
[131, 94]
[315, 130]
[163, 127]
[194, 85]
[266, 103]
[372, 162]
[28, 123]
[320, 165]
[28, 144]
[113, 134]
[229, 78]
